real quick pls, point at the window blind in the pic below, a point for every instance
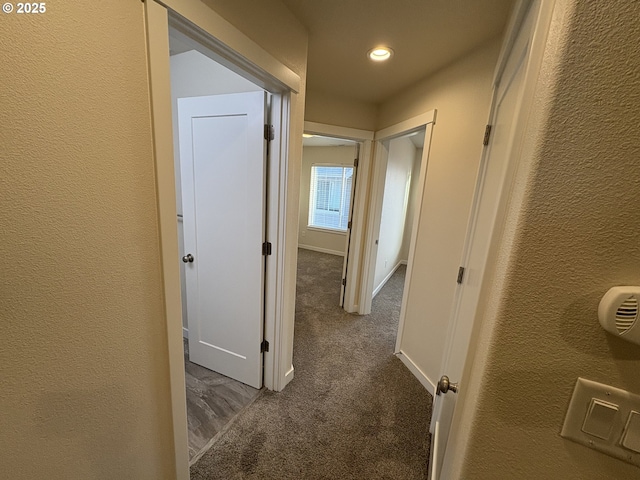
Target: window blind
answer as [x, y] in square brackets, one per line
[330, 196]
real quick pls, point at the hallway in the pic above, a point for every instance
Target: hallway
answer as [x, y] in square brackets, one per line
[352, 411]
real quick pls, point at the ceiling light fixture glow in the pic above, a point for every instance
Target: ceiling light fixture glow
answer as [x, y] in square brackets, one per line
[380, 54]
[307, 135]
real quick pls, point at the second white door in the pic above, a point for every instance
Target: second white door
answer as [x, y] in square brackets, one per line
[492, 191]
[223, 170]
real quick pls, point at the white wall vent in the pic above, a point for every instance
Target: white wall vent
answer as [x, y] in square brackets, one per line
[618, 312]
[626, 315]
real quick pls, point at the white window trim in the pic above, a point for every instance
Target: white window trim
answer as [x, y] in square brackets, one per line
[335, 231]
[311, 202]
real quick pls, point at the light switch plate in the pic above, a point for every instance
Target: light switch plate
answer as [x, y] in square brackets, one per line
[587, 393]
[631, 435]
[599, 419]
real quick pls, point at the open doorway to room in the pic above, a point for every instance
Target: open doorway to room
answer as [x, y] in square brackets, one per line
[231, 49]
[399, 199]
[232, 178]
[327, 183]
[211, 105]
[399, 172]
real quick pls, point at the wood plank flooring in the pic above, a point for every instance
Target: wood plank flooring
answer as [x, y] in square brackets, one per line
[213, 400]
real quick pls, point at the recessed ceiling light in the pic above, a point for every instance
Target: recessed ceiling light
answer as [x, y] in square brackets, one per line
[380, 54]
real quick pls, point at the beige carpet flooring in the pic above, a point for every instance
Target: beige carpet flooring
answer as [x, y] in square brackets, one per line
[353, 410]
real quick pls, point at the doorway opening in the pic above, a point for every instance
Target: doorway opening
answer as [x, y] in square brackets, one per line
[193, 25]
[218, 121]
[399, 164]
[327, 184]
[398, 178]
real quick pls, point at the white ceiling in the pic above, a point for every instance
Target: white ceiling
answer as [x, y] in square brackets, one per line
[425, 35]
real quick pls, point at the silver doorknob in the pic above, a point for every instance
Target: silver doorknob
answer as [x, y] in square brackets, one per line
[188, 258]
[444, 385]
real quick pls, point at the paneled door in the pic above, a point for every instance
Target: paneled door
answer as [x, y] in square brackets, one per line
[223, 170]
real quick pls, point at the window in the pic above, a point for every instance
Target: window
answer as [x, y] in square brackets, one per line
[330, 197]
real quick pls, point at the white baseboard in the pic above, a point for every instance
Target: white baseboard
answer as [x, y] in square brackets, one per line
[185, 333]
[288, 376]
[386, 279]
[419, 374]
[322, 250]
[354, 310]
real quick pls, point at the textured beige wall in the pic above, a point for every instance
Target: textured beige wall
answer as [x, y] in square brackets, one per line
[271, 25]
[461, 94]
[574, 235]
[393, 215]
[83, 354]
[332, 110]
[83, 357]
[411, 205]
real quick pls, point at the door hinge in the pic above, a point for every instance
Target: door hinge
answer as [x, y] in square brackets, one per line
[344, 282]
[460, 274]
[349, 224]
[266, 248]
[269, 133]
[487, 135]
[264, 346]
[355, 162]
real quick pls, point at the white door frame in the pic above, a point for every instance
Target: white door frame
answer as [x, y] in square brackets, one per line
[426, 121]
[224, 43]
[364, 137]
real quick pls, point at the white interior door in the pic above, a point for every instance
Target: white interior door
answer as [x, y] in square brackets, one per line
[345, 263]
[223, 165]
[492, 185]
